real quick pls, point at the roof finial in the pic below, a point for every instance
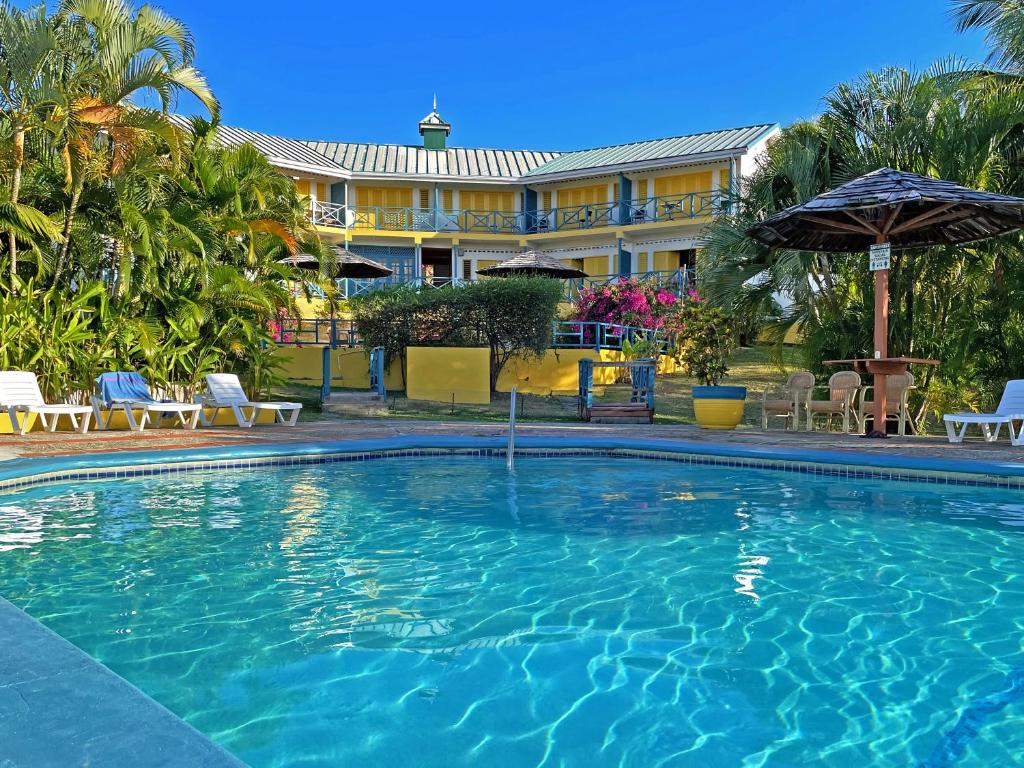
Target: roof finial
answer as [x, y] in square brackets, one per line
[435, 102]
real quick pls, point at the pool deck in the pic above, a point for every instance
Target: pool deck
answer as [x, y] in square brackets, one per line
[335, 430]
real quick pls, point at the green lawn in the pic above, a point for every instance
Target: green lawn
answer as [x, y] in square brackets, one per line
[749, 367]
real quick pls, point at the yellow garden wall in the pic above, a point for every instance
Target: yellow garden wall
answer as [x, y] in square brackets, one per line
[119, 422]
[436, 372]
[441, 373]
[557, 372]
[349, 367]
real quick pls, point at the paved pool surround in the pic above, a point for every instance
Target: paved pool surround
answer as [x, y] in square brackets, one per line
[59, 707]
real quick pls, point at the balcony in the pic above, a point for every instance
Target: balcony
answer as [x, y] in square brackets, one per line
[681, 208]
[680, 282]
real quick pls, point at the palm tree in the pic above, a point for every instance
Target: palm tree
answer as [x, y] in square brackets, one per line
[943, 123]
[1003, 22]
[120, 57]
[29, 44]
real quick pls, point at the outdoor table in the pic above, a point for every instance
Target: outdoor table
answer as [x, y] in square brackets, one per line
[880, 367]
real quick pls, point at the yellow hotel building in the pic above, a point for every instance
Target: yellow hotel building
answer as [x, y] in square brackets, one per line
[436, 213]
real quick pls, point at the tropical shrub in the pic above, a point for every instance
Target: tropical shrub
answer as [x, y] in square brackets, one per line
[703, 341]
[132, 239]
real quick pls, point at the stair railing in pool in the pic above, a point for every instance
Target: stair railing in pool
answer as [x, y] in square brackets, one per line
[510, 451]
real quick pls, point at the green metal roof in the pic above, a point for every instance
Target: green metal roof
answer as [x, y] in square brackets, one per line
[331, 157]
[403, 159]
[658, 149]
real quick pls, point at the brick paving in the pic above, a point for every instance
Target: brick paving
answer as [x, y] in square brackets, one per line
[45, 444]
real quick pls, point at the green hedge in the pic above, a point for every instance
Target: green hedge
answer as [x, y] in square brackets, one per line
[510, 316]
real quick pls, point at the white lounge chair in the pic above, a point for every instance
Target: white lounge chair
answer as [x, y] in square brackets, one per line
[20, 394]
[224, 390]
[129, 391]
[1010, 412]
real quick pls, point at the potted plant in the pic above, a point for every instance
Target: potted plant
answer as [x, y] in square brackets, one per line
[703, 344]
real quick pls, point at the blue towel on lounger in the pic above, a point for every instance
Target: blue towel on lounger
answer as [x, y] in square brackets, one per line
[124, 387]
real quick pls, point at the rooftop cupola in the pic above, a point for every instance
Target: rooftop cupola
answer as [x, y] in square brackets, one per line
[434, 129]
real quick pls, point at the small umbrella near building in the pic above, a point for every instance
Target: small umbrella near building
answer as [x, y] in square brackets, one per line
[532, 263]
[305, 261]
[347, 264]
[888, 209]
[355, 266]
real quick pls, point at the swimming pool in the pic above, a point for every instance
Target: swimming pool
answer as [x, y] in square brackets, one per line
[583, 611]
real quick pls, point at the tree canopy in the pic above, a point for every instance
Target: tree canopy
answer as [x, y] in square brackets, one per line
[962, 305]
[161, 242]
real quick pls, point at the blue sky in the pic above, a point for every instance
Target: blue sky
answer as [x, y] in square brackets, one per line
[549, 75]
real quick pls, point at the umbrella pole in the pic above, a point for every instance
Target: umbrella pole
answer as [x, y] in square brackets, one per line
[881, 343]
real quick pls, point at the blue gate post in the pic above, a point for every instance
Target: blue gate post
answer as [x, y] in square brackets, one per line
[586, 386]
[334, 332]
[377, 372]
[325, 387]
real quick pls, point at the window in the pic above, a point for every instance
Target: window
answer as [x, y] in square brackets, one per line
[425, 200]
[467, 270]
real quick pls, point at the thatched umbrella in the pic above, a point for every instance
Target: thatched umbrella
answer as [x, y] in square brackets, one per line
[532, 263]
[891, 209]
[348, 264]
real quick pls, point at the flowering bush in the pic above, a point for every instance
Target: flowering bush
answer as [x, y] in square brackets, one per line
[275, 328]
[627, 302]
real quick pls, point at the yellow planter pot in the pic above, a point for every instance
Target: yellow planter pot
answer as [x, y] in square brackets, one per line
[719, 407]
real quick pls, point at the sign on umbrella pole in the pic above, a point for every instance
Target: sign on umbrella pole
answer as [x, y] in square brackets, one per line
[878, 257]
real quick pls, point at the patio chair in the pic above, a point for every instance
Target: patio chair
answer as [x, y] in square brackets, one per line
[129, 392]
[788, 402]
[20, 394]
[224, 390]
[842, 389]
[897, 406]
[1010, 412]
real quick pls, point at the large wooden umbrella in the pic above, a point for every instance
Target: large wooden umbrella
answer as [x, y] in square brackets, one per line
[889, 209]
[532, 263]
[348, 264]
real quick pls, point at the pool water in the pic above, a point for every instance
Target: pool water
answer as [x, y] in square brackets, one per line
[581, 612]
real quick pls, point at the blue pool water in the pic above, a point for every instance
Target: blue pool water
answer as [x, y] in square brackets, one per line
[583, 612]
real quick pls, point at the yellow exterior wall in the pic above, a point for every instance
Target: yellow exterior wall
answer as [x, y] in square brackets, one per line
[444, 373]
[683, 184]
[472, 200]
[595, 265]
[596, 194]
[385, 197]
[305, 188]
[666, 261]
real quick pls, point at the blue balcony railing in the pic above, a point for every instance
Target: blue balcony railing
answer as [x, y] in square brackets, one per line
[613, 214]
[565, 334]
[679, 281]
